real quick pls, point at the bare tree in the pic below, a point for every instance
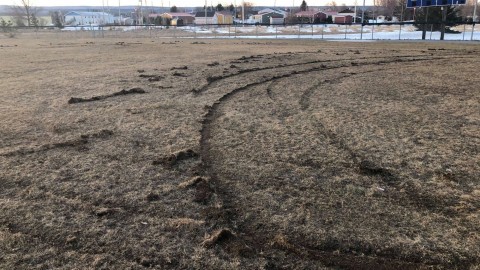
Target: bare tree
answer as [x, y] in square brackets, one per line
[248, 9]
[387, 7]
[333, 5]
[26, 11]
[466, 11]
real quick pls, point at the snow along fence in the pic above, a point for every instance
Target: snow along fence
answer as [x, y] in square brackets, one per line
[462, 31]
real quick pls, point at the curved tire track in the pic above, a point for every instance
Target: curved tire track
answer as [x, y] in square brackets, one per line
[258, 241]
[213, 81]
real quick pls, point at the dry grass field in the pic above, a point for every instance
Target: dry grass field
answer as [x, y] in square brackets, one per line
[239, 154]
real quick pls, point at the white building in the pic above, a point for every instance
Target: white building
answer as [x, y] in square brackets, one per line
[88, 18]
[200, 17]
[379, 19]
[271, 10]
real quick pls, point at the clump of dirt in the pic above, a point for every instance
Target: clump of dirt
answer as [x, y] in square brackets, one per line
[217, 237]
[105, 211]
[175, 158]
[230, 242]
[136, 90]
[123, 92]
[211, 79]
[152, 78]
[178, 74]
[213, 64]
[192, 182]
[79, 144]
[179, 68]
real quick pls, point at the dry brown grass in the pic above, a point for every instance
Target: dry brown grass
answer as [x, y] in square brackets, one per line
[306, 154]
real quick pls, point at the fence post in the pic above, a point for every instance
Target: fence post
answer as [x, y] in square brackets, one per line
[312, 30]
[473, 29]
[373, 29]
[323, 28]
[299, 30]
[400, 32]
[346, 31]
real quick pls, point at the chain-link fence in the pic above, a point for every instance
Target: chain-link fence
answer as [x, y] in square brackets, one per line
[464, 31]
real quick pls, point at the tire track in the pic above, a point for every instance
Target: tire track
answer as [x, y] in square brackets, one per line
[269, 89]
[225, 218]
[305, 98]
[213, 81]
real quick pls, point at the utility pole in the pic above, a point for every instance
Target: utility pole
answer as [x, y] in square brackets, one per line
[141, 11]
[103, 12]
[363, 19]
[243, 12]
[355, 17]
[119, 14]
[444, 19]
[474, 18]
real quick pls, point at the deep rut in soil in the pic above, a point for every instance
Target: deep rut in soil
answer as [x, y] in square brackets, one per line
[261, 239]
[214, 80]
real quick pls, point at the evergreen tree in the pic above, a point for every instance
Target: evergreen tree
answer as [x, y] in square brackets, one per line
[303, 6]
[434, 18]
[174, 9]
[34, 21]
[219, 7]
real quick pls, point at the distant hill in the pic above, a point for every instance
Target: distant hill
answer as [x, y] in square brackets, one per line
[45, 11]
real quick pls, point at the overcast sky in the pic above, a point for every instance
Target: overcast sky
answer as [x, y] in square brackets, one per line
[180, 3]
